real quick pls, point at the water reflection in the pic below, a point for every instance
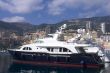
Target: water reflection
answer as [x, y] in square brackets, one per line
[20, 68]
[5, 61]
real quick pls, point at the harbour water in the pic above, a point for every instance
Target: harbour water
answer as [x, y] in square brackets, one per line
[7, 66]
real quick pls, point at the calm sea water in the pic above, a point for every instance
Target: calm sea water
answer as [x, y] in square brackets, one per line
[7, 66]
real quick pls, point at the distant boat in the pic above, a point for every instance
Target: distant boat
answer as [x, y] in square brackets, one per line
[50, 51]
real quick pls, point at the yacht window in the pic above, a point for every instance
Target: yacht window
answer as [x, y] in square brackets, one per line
[52, 49]
[60, 49]
[48, 49]
[30, 48]
[64, 50]
[56, 50]
[27, 48]
[24, 48]
[80, 50]
[69, 51]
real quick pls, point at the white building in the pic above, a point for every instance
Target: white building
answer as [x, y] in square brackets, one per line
[103, 28]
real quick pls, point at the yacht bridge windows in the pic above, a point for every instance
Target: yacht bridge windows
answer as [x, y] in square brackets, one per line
[57, 49]
[27, 48]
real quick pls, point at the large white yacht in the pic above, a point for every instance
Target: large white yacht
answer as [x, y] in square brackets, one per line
[50, 51]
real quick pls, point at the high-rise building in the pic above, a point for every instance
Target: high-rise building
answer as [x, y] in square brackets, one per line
[103, 28]
[88, 25]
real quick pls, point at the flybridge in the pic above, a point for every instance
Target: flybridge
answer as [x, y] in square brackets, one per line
[53, 37]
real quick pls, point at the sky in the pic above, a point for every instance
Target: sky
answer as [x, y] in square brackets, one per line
[51, 11]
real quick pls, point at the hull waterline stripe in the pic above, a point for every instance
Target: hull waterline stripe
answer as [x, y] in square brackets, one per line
[57, 64]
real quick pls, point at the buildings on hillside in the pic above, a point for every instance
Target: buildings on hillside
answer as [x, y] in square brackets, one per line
[11, 38]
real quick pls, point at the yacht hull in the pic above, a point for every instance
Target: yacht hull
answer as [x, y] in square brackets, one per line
[61, 60]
